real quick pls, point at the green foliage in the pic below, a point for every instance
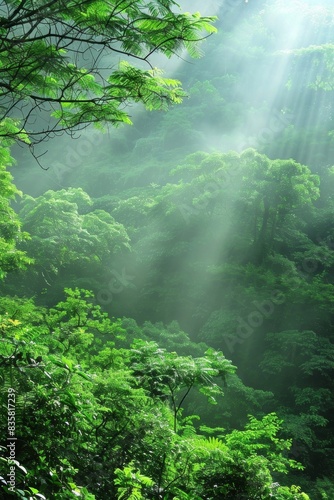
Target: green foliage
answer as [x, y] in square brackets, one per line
[10, 227]
[227, 246]
[167, 375]
[303, 351]
[76, 413]
[68, 236]
[62, 229]
[42, 68]
[45, 361]
[319, 60]
[305, 360]
[269, 190]
[129, 483]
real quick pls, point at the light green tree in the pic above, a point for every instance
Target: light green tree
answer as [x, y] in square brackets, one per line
[82, 62]
[63, 229]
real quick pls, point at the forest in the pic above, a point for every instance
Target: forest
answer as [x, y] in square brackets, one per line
[167, 249]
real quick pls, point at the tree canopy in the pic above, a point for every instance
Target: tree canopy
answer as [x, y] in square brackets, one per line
[10, 227]
[83, 62]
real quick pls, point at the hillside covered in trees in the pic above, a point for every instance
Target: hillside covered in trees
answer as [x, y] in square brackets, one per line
[167, 250]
